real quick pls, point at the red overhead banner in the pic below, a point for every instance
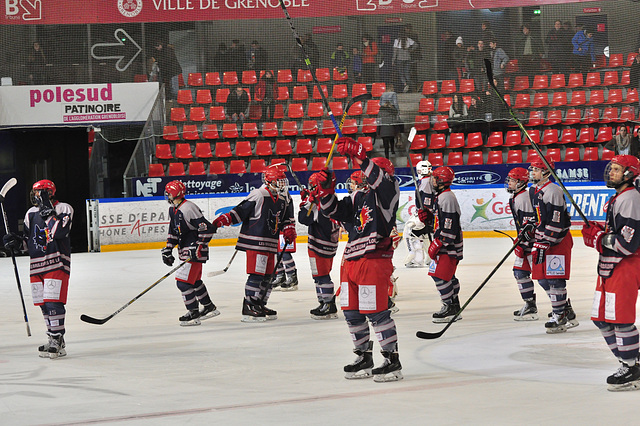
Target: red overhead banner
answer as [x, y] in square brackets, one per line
[49, 12]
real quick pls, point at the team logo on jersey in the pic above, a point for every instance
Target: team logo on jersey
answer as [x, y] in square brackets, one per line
[41, 237]
[363, 218]
[627, 233]
[129, 8]
[273, 222]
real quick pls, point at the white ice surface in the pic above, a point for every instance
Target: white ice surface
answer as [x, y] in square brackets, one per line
[141, 367]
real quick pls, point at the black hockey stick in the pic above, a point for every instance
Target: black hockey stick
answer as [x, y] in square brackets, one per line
[359, 98]
[504, 233]
[98, 321]
[226, 268]
[489, 69]
[307, 62]
[3, 192]
[426, 335]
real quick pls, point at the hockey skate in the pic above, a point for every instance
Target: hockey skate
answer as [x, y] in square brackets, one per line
[390, 370]
[291, 284]
[269, 314]
[56, 346]
[209, 311]
[529, 312]
[572, 321]
[190, 318]
[392, 306]
[326, 310]
[446, 313]
[43, 350]
[557, 323]
[278, 281]
[252, 312]
[362, 366]
[627, 378]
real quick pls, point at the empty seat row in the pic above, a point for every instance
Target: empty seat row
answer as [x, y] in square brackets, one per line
[429, 88]
[579, 116]
[575, 81]
[578, 98]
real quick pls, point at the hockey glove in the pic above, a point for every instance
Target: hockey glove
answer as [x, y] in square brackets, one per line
[289, 233]
[528, 231]
[434, 248]
[352, 148]
[540, 249]
[222, 220]
[44, 204]
[326, 183]
[167, 257]
[592, 235]
[519, 251]
[306, 197]
[426, 216]
[195, 252]
[12, 241]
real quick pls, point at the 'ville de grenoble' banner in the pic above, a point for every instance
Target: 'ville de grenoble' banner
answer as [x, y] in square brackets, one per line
[76, 103]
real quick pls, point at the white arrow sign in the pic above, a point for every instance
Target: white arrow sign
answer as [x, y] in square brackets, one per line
[125, 50]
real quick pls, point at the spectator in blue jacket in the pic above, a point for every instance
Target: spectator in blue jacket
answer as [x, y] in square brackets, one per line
[583, 53]
[499, 59]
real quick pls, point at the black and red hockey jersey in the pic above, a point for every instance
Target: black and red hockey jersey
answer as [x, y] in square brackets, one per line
[426, 193]
[369, 215]
[447, 226]
[48, 240]
[187, 228]
[550, 208]
[523, 213]
[324, 233]
[263, 216]
[623, 219]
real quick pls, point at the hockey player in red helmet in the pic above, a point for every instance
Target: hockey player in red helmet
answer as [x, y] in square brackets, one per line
[190, 233]
[614, 306]
[551, 241]
[369, 217]
[324, 234]
[523, 216]
[265, 213]
[46, 230]
[445, 250]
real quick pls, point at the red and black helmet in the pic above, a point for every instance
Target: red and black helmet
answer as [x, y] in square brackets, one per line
[276, 179]
[442, 178]
[357, 180]
[539, 164]
[521, 177]
[631, 169]
[174, 190]
[45, 184]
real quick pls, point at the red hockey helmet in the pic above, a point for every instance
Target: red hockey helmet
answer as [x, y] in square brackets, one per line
[519, 176]
[630, 170]
[384, 164]
[45, 184]
[174, 190]
[442, 178]
[539, 164]
[357, 180]
[275, 178]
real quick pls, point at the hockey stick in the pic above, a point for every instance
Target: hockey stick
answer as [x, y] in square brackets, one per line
[226, 268]
[504, 233]
[412, 135]
[307, 62]
[359, 98]
[489, 69]
[98, 321]
[426, 335]
[3, 192]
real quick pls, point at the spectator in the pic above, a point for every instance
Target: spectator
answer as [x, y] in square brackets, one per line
[458, 108]
[388, 118]
[340, 59]
[169, 67]
[36, 63]
[486, 33]
[369, 59]
[529, 49]
[401, 58]
[221, 60]
[265, 94]
[460, 58]
[312, 51]
[415, 53]
[583, 53]
[499, 61]
[475, 64]
[357, 66]
[555, 46]
[257, 57]
[236, 57]
[445, 52]
[634, 73]
[238, 105]
[623, 143]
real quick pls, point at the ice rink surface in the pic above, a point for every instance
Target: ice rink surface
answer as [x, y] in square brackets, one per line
[142, 368]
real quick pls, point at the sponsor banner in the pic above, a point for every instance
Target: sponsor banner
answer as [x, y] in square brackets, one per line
[52, 12]
[76, 103]
[145, 220]
[569, 172]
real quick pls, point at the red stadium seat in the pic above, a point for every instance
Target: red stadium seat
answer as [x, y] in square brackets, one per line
[284, 76]
[185, 97]
[282, 93]
[536, 118]
[532, 156]
[300, 93]
[290, 128]
[340, 75]
[370, 126]
[569, 136]
[436, 159]
[221, 95]
[230, 78]
[590, 154]
[340, 91]
[250, 130]
[616, 60]
[596, 97]
[592, 80]
[203, 96]
[474, 140]
[217, 167]
[421, 123]
[494, 157]
[197, 168]
[553, 117]
[295, 111]
[358, 89]
[350, 126]
[605, 134]
[243, 149]
[257, 165]
[299, 164]
[377, 89]
[455, 158]
[309, 127]
[523, 100]
[632, 96]
[610, 115]
[467, 85]
[176, 169]
[223, 149]
[156, 170]
[614, 97]
[441, 123]
[448, 87]
[436, 141]
[419, 142]
[456, 140]
[573, 116]
[249, 77]
[263, 148]
[627, 113]
[140, 78]
[475, 158]
[190, 132]
[559, 99]
[212, 79]
[178, 114]
[540, 100]
[323, 74]
[304, 146]
[557, 81]
[578, 97]
[550, 136]
[514, 156]
[514, 137]
[304, 76]
[540, 82]
[553, 154]
[336, 108]
[163, 151]
[340, 163]
[444, 104]
[625, 79]
[355, 109]
[607, 155]
[413, 159]
[229, 131]
[203, 150]
[426, 105]
[430, 88]
[237, 166]
[210, 131]
[521, 83]
[216, 113]
[323, 145]
[495, 139]
[610, 78]
[367, 142]
[572, 154]
[283, 147]
[328, 128]
[170, 133]
[270, 129]
[194, 79]
[587, 135]
[575, 80]
[318, 163]
[315, 110]
[197, 114]
[373, 106]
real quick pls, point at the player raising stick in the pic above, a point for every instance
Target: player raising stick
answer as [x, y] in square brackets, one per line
[324, 234]
[265, 212]
[614, 302]
[368, 216]
[190, 232]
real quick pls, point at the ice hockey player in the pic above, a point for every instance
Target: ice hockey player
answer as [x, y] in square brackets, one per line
[445, 250]
[414, 230]
[190, 233]
[286, 278]
[324, 234]
[368, 216]
[618, 243]
[265, 212]
[523, 216]
[552, 243]
[46, 228]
